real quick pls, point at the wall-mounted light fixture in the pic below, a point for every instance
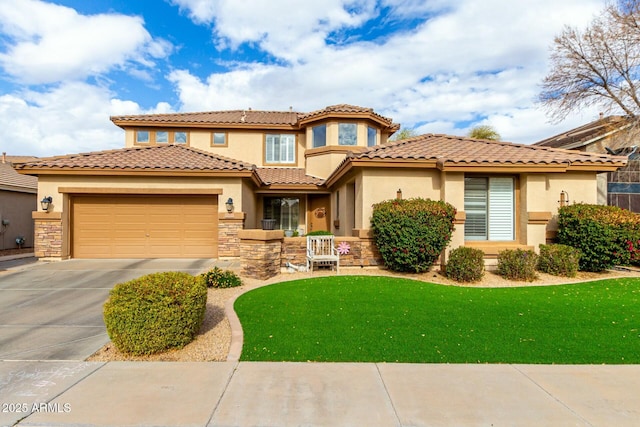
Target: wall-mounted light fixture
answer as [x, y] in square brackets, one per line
[399, 194]
[564, 198]
[46, 203]
[229, 205]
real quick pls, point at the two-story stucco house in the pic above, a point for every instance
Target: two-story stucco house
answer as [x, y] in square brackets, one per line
[188, 184]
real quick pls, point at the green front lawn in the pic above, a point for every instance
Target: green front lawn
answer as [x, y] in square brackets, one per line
[382, 319]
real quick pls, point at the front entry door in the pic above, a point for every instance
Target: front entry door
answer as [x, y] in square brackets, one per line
[319, 213]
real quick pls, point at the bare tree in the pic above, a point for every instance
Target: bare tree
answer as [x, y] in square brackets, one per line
[484, 132]
[597, 66]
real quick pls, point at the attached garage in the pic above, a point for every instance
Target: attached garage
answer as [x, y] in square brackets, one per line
[144, 226]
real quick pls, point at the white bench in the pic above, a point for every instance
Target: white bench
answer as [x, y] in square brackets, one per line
[321, 251]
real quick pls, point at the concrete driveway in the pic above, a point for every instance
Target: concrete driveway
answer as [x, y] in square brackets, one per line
[53, 311]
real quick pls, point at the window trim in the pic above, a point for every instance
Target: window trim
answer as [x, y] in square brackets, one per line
[355, 125]
[173, 140]
[280, 162]
[162, 131]
[313, 136]
[213, 138]
[375, 138]
[279, 220]
[153, 140]
[137, 140]
[515, 211]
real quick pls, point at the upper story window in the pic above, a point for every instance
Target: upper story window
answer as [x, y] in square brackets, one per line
[162, 137]
[180, 137]
[319, 136]
[142, 136]
[347, 134]
[219, 139]
[489, 208]
[280, 148]
[372, 136]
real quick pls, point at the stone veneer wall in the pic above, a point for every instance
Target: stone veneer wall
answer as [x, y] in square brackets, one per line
[228, 227]
[362, 253]
[47, 234]
[260, 252]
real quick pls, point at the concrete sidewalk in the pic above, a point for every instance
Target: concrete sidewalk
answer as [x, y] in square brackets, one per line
[316, 394]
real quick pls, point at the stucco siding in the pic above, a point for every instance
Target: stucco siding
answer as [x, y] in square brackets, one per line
[16, 208]
[383, 184]
[49, 185]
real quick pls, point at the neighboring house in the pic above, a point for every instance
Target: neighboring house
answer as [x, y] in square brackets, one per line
[612, 135]
[18, 198]
[201, 184]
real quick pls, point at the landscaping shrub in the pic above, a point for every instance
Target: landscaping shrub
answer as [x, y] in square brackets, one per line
[465, 264]
[517, 264]
[155, 312]
[559, 260]
[218, 278]
[605, 235]
[411, 233]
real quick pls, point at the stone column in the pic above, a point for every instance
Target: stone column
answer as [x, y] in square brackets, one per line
[260, 252]
[47, 234]
[229, 224]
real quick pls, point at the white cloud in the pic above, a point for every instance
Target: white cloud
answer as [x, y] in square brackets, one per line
[462, 61]
[51, 43]
[467, 61]
[70, 118]
[283, 28]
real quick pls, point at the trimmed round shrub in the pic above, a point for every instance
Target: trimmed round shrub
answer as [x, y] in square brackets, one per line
[218, 278]
[517, 264]
[411, 233]
[606, 235]
[156, 312]
[559, 260]
[465, 264]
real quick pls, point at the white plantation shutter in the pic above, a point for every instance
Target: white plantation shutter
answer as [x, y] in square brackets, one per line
[501, 208]
[475, 208]
[489, 208]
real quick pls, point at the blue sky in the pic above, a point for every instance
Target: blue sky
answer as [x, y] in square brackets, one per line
[438, 66]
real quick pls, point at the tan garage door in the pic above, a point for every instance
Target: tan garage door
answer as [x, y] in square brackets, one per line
[135, 226]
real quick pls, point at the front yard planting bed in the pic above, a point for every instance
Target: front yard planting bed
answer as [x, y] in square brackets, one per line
[383, 319]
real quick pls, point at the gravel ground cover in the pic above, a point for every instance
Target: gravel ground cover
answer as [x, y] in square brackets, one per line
[213, 340]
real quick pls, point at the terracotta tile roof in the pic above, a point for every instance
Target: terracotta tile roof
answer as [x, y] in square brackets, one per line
[580, 136]
[235, 118]
[13, 181]
[232, 117]
[348, 109]
[20, 159]
[287, 176]
[154, 158]
[452, 150]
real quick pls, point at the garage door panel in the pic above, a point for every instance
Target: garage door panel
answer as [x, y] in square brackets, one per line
[144, 226]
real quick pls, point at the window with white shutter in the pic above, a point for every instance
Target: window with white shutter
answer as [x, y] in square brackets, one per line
[489, 208]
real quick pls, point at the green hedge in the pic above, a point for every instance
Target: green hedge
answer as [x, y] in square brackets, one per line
[411, 233]
[605, 235]
[155, 312]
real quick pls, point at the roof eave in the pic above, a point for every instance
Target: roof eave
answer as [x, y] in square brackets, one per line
[18, 189]
[135, 172]
[128, 124]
